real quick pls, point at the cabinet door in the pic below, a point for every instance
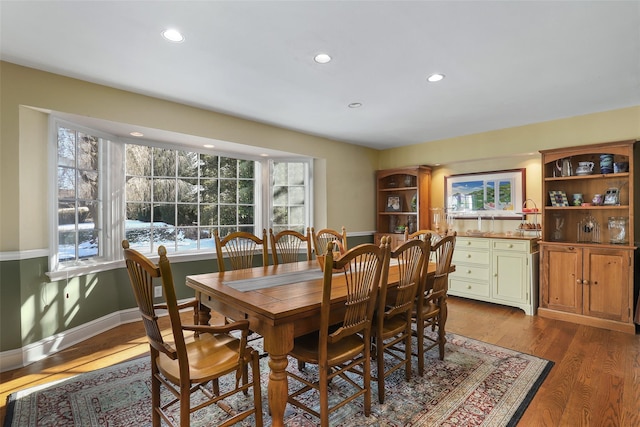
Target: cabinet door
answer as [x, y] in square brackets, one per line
[510, 276]
[561, 278]
[606, 283]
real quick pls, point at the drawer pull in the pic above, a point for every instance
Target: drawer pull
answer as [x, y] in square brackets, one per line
[468, 271]
[468, 286]
[510, 245]
[468, 255]
[468, 243]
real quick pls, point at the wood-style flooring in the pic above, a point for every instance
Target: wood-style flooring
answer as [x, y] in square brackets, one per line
[595, 380]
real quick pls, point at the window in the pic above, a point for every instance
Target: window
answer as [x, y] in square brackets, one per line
[79, 202]
[177, 198]
[290, 186]
[154, 194]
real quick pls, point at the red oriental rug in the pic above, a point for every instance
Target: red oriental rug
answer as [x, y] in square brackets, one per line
[478, 384]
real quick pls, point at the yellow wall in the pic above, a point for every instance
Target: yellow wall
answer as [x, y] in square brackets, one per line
[23, 150]
[512, 148]
[344, 173]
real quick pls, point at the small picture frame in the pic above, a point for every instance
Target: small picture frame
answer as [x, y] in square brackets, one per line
[612, 196]
[558, 198]
[394, 204]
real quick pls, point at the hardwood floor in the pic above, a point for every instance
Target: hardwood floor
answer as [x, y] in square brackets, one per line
[595, 380]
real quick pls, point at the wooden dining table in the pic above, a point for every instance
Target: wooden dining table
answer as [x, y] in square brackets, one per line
[281, 302]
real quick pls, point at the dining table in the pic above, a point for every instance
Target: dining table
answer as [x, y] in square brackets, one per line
[281, 302]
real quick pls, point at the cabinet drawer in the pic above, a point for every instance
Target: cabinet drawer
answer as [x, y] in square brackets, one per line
[462, 256]
[470, 242]
[472, 272]
[511, 245]
[470, 288]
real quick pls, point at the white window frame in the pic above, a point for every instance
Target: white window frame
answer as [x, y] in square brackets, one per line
[111, 191]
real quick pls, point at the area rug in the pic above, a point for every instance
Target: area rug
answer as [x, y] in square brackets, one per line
[478, 384]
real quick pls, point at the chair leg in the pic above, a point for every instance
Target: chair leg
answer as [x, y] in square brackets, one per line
[380, 363]
[407, 351]
[185, 405]
[257, 393]
[367, 379]
[442, 319]
[420, 339]
[324, 395]
[155, 396]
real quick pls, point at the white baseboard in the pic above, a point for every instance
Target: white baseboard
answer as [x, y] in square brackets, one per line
[18, 358]
[30, 353]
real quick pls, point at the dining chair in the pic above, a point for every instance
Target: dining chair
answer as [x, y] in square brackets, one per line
[195, 355]
[287, 244]
[392, 319]
[326, 235]
[341, 346]
[240, 247]
[430, 309]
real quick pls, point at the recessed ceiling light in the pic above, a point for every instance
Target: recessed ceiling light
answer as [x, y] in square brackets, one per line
[209, 146]
[138, 134]
[173, 35]
[435, 77]
[322, 58]
[355, 105]
[264, 155]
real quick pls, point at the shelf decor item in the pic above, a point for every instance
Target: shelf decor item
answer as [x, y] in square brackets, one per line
[612, 196]
[394, 204]
[606, 163]
[588, 230]
[558, 198]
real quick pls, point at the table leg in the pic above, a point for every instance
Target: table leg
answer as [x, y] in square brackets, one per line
[278, 343]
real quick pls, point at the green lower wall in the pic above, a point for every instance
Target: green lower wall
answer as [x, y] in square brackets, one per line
[32, 308]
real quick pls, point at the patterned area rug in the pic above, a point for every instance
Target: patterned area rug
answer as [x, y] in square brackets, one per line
[478, 384]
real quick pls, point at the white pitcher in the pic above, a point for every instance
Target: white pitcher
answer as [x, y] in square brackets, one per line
[584, 168]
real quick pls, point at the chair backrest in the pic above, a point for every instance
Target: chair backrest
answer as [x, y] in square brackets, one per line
[240, 248]
[412, 257]
[433, 235]
[364, 268]
[286, 246]
[444, 253]
[326, 235]
[142, 273]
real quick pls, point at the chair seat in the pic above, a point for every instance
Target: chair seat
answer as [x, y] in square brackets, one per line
[394, 325]
[209, 357]
[305, 348]
[429, 309]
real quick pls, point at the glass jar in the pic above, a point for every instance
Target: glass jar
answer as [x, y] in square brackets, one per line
[617, 230]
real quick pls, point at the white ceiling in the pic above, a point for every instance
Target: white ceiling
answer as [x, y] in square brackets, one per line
[507, 63]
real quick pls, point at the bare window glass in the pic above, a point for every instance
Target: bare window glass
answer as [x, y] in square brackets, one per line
[190, 195]
[79, 204]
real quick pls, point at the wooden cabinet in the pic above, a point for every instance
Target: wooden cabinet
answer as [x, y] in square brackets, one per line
[586, 263]
[402, 200]
[498, 270]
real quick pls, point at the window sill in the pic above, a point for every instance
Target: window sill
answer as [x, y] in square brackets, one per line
[84, 270]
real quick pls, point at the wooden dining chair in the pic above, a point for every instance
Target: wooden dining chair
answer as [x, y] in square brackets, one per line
[287, 245]
[392, 324]
[431, 304]
[339, 348]
[326, 235]
[195, 355]
[240, 247]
